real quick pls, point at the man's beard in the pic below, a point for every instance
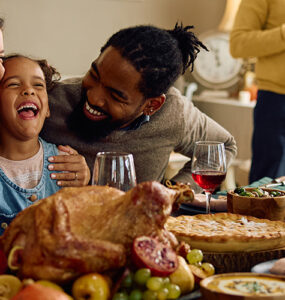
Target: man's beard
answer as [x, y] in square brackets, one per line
[86, 129]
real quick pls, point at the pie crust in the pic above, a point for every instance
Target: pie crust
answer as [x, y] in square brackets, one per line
[226, 232]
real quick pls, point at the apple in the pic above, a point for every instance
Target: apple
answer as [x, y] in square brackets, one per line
[37, 291]
[9, 286]
[183, 276]
[91, 286]
[50, 284]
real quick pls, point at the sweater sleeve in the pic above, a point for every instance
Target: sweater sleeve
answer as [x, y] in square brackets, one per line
[252, 34]
[197, 126]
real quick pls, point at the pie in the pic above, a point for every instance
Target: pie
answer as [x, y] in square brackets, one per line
[225, 232]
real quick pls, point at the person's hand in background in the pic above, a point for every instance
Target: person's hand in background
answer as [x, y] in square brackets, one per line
[219, 204]
[75, 171]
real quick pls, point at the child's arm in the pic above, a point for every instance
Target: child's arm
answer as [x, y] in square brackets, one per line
[76, 171]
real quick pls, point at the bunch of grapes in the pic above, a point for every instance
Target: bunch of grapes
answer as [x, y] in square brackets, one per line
[141, 285]
[195, 257]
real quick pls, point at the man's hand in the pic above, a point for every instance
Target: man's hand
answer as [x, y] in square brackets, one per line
[75, 171]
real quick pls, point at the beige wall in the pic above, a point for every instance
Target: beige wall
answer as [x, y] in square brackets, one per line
[69, 33]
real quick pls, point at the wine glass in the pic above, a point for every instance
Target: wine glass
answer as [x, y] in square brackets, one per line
[115, 169]
[209, 167]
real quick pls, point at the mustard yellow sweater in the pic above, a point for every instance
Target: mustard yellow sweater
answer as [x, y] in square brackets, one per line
[259, 31]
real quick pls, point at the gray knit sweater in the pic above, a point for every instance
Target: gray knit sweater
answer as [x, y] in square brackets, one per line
[175, 127]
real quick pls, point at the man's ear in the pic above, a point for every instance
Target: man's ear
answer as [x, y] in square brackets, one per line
[152, 105]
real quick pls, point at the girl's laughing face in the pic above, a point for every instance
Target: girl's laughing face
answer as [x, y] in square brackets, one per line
[23, 99]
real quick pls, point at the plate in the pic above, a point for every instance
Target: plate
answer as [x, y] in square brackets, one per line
[263, 267]
[194, 295]
[191, 210]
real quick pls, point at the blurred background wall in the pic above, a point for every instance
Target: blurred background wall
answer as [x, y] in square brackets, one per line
[69, 33]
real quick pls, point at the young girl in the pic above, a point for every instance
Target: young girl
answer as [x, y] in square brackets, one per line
[24, 173]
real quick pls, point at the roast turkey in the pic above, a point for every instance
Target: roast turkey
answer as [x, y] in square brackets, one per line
[87, 229]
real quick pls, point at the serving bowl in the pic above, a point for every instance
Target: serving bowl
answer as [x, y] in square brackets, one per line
[243, 286]
[265, 207]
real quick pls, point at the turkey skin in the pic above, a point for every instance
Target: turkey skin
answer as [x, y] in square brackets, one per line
[87, 229]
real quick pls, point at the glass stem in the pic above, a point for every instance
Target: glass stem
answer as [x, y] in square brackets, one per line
[208, 200]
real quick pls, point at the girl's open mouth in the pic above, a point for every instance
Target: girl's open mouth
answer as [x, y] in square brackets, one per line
[27, 110]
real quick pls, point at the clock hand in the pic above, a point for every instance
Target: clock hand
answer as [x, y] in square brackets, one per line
[216, 54]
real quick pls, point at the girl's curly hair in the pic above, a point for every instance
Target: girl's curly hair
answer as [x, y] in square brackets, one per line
[50, 73]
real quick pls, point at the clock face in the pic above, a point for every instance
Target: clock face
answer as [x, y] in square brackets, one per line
[217, 68]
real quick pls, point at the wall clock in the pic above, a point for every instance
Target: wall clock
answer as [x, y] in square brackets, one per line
[217, 69]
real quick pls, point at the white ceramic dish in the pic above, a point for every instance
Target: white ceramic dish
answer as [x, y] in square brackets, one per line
[263, 267]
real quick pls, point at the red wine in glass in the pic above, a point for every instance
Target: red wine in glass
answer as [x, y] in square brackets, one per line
[209, 180]
[209, 167]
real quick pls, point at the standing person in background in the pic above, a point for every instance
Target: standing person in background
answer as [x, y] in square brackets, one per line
[126, 103]
[259, 31]
[1, 48]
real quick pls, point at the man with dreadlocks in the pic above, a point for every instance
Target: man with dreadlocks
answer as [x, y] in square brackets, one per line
[125, 102]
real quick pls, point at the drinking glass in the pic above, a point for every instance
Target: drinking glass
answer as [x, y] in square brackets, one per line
[209, 167]
[115, 169]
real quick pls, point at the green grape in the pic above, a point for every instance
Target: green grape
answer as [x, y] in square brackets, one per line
[162, 294]
[149, 295]
[166, 280]
[198, 264]
[154, 283]
[194, 256]
[142, 275]
[127, 281]
[173, 291]
[135, 295]
[208, 268]
[120, 296]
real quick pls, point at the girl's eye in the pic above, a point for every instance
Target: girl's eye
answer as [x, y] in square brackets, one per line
[13, 84]
[40, 84]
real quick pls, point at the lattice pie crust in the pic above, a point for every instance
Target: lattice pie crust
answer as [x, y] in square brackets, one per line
[225, 232]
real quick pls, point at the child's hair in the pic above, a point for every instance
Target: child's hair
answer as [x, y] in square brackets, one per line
[50, 73]
[159, 55]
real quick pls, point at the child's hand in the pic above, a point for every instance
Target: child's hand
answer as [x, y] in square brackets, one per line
[74, 167]
[2, 70]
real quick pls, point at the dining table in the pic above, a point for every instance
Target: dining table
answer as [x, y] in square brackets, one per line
[188, 209]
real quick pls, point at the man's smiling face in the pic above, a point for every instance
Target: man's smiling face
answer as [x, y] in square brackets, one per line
[112, 94]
